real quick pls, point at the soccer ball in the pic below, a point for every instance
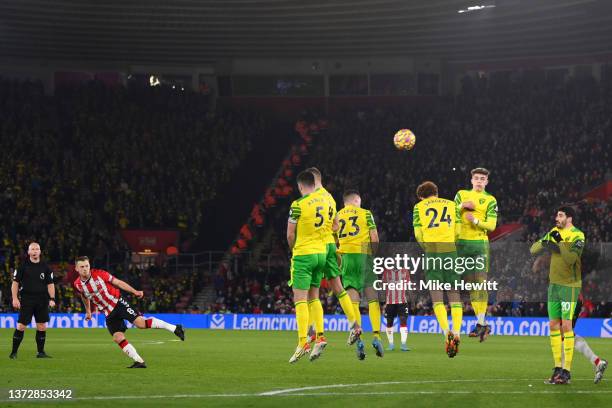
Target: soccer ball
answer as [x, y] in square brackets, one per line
[404, 139]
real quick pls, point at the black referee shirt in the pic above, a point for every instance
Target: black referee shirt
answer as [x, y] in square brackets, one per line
[33, 278]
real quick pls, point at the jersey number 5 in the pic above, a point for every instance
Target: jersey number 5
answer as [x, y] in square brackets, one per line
[320, 218]
[444, 218]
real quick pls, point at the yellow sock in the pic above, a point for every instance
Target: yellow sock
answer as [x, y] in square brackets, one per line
[479, 300]
[568, 349]
[556, 344]
[301, 317]
[473, 302]
[374, 312]
[457, 316]
[347, 306]
[316, 310]
[440, 311]
[357, 312]
[310, 316]
[482, 312]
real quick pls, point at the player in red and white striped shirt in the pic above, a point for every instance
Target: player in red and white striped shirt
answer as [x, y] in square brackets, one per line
[103, 289]
[396, 305]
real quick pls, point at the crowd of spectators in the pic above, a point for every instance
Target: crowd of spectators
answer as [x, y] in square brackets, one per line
[92, 159]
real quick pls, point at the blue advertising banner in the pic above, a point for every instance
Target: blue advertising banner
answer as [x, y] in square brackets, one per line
[507, 326]
[77, 320]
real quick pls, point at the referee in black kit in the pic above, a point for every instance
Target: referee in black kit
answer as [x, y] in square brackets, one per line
[33, 293]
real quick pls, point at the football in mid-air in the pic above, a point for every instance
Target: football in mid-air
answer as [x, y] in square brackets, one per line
[404, 139]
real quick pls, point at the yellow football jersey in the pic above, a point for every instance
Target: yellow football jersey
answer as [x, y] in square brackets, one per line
[485, 210]
[562, 273]
[437, 219]
[354, 233]
[309, 214]
[328, 234]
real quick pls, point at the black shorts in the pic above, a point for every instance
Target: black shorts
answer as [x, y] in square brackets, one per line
[37, 306]
[400, 309]
[115, 321]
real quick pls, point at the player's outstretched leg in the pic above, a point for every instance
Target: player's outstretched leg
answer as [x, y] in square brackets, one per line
[155, 323]
[129, 350]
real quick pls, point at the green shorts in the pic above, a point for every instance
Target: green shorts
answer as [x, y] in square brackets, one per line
[306, 271]
[562, 301]
[331, 269]
[441, 267]
[475, 254]
[357, 271]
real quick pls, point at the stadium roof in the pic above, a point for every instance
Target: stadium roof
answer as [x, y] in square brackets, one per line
[198, 31]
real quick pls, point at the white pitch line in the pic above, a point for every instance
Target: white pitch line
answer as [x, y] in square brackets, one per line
[328, 394]
[322, 387]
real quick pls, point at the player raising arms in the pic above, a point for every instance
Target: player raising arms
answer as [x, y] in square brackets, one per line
[103, 289]
[305, 229]
[435, 229]
[358, 238]
[331, 271]
[566, 243]
[477, 211]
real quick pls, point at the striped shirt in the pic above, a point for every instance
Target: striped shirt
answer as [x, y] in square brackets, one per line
[99, 290]
[396, 296]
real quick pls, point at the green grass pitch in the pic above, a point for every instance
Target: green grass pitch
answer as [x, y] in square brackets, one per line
[247, 368]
